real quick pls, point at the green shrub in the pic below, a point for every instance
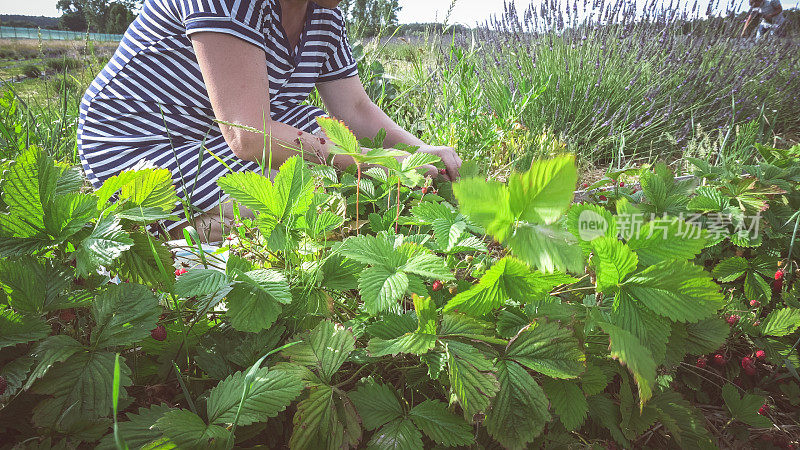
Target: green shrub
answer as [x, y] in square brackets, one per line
[7, 52]
[31, 71]
[66, 85]
[62, 64]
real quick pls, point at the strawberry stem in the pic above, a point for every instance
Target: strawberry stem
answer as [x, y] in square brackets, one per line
[397, 218]
[358, 191]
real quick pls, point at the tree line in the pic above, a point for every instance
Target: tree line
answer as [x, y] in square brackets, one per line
[101, 16]
[364, 17]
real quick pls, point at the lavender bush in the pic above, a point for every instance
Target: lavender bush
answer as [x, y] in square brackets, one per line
[603, 76]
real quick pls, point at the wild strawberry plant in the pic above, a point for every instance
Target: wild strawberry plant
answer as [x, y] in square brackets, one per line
[484, 314]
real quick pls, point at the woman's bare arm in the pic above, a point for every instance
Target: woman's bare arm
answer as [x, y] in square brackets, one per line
[347, 100]
[236, 77]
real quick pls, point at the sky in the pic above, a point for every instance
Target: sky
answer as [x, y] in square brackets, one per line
[468, 12]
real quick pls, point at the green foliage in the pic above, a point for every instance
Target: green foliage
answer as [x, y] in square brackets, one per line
[745, 408]
[420, 332]
[270, 393]
[519, 411]
[399, 427]
[395, 269]
[522, 213]
[781, 322]
[547, 349]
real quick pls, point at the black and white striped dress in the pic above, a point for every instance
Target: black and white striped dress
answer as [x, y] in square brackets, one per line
[150, 103]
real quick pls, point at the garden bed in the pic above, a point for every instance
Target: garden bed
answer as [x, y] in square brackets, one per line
[481, 314]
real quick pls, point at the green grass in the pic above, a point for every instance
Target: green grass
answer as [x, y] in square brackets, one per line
[506, 97]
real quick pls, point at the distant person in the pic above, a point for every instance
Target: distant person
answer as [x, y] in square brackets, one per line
[184, 64]
[768, 15]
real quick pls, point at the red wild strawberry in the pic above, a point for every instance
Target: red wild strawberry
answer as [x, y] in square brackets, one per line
[3, 385]
[747, 362]
[779, 275]
[159, 333]
[442, 171]
[755, 303]
[761, 354]
[180, 272]
[437, 285]
[67, 315]
[733, 319]
[621, 184]
[585, 185]
[299, 133]
[701, 362]
[425, 190]
[603, 198]
[322, 141]
[764, 410]
[719, 360]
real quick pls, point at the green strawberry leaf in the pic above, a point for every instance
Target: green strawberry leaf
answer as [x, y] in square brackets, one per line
[678, 290]
[376, 404]
[730, 269]
[588, 222]
[471, 377]
[548, 349]
[325, 349]
[271, 391]
[139, 430]
[339, 134]
[547, 247]
[399, 434]
[781, 322]
[614, 261]
[487, 204]
[124, 314]
[381, 288]
[102, 247]
[627, 349]
[745, 408]
[439, 424]
[417, 342]
[325, 419]
[519, 411]
[185, 429]
[34, 287]
[667, 239]
[80, 388]
[569, 402]
[252, 190]
[544, 193]
[18, 329]
[508, 279]
[199, 282]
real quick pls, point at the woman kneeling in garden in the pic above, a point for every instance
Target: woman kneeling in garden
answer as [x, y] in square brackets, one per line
[183, 64]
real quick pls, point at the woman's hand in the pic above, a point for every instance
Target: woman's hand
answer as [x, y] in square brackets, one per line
[451, 160]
